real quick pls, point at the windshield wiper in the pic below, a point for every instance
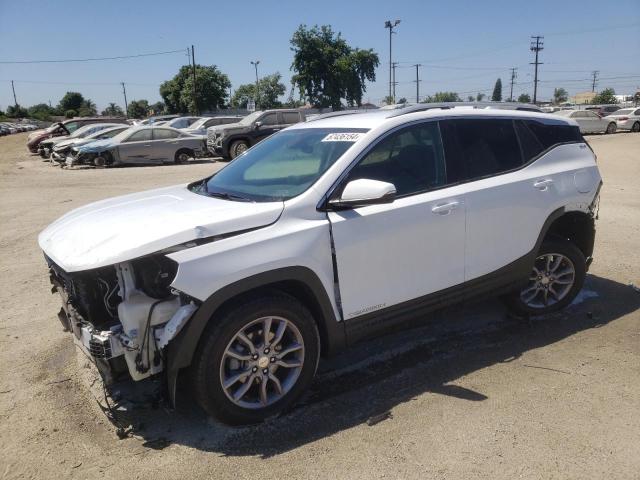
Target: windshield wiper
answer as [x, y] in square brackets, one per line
[229, 196]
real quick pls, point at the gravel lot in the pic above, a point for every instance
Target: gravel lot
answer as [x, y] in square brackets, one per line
[473, 394]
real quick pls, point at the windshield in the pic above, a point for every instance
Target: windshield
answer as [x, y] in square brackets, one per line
[281, 167]
[107, 132]
[198, 124]
[125, 134]
[250, 118]
[82, 131]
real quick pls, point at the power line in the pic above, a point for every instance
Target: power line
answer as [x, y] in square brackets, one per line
[417, 80]
[91, 59]
[536, 46]
[513, 77]
[595, 80]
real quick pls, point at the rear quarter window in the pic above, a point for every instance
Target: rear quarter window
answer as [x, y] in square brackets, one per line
[536, 137]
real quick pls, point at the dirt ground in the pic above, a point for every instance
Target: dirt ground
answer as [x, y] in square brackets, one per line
[472, 394]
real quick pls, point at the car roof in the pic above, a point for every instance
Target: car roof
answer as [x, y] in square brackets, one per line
[371, 119]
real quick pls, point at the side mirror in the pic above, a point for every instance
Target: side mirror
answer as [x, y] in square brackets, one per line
[359, 193]
[257, 125]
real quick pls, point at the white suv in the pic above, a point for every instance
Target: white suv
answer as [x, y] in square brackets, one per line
[328, 232]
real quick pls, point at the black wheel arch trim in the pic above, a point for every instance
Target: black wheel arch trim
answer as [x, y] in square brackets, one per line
[181, 349]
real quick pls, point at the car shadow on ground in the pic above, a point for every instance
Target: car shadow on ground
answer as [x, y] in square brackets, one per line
[365, 383]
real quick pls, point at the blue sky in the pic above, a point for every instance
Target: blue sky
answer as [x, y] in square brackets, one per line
[464, 45]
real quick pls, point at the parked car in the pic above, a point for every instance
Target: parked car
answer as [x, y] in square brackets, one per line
[200, 127]
[140, 145]
[4, 130]
[154, 119]
[62, 149]
[10, 127]
[182, 122]
[231, 140]
[589, 121]
[45, 149]
[604, 110]
[326, 233]
[65, 128]
[627, 119]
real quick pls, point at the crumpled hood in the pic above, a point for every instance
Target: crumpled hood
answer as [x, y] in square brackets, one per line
[127, 227]
[97, 146]
[73, 142]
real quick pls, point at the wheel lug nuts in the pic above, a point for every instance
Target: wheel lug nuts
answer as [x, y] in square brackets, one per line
[255, 356]
[266, 350]
[265, 371]
[254, 369]
[273, 359]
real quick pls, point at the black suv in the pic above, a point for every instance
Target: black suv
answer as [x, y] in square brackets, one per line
[229, 141]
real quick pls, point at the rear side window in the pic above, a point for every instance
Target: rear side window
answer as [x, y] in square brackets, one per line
[290, 117]
[537, 137]
[480, 147]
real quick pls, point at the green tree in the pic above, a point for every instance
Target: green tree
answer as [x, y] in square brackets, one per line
[41, 111]
[113, 110]
[560, 95]
[70, 113]
[269, 89]
[439, 97]
[388, 100]
[479, 97]
[212, 87]
[87, 109]
[402, 100]
[606, 96]
[470, 98]
[158, 108]
[138, 108]
[16, 111]
[496, 96]
[524, 98]
[71, 101]
[328, 70]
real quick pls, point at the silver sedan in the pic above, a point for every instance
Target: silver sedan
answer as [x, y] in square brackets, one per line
[590, 122]
[627, 119]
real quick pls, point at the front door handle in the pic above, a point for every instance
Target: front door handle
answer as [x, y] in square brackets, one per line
[445, 208]
[543, 184]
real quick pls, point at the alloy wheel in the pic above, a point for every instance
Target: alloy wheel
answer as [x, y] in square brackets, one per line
[551, 280]
[262, 362]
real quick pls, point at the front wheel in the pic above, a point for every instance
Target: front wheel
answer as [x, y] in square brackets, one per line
[238, 148]
[611, 128]
[635, 127]
[556, 278]
[183, 156]
[256, 358]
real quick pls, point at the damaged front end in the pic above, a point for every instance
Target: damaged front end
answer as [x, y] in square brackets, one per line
[123, 316]
[97, 156]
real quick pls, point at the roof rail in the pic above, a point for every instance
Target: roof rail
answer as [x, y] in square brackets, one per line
[339, 113]
[422, 107]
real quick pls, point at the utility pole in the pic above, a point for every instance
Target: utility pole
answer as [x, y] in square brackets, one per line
[394, 65]
[388, 24]
[536, 46]
[126, 105]
[14, 94]
[417, 80]
[513, 77]
[193, 66]
[594, 74]
[255, 64]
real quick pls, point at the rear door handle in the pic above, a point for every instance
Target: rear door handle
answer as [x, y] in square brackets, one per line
[543, 184]
[444, 208]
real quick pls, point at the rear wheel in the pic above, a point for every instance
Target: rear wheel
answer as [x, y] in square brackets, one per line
[611, 128]
[635, 127]
[556, 278]
[183, 155]
[256, 358]
[238, 148]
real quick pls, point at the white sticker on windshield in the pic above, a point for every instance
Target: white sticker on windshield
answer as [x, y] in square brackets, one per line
[342, 137]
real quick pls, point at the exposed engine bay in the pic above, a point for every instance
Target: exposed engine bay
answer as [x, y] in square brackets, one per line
[123, 316]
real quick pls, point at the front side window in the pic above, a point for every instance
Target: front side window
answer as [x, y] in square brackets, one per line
[280, 167]
[140, 136]
[270, 119]
[412, 159]
[481, 147]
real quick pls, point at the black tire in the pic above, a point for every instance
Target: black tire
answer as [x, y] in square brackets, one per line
[635, 127]
[238, 147]
[611, 128]
[207, 366]
[552, 246]
[183, 155]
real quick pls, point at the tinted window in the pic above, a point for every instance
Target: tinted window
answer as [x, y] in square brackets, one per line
[140, 136]
[290, 117]
[164, 134]
[546, 135]
[412, 159]
[481, 148]
[71, 126]
[270, 119]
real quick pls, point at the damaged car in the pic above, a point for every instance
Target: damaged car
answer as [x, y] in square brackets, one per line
[140, 145]
[62, 149]
[327, 233]
[65, 128]
[45, 149]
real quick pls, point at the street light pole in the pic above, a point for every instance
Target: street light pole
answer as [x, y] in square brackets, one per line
[391, 25]
[255, 64]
